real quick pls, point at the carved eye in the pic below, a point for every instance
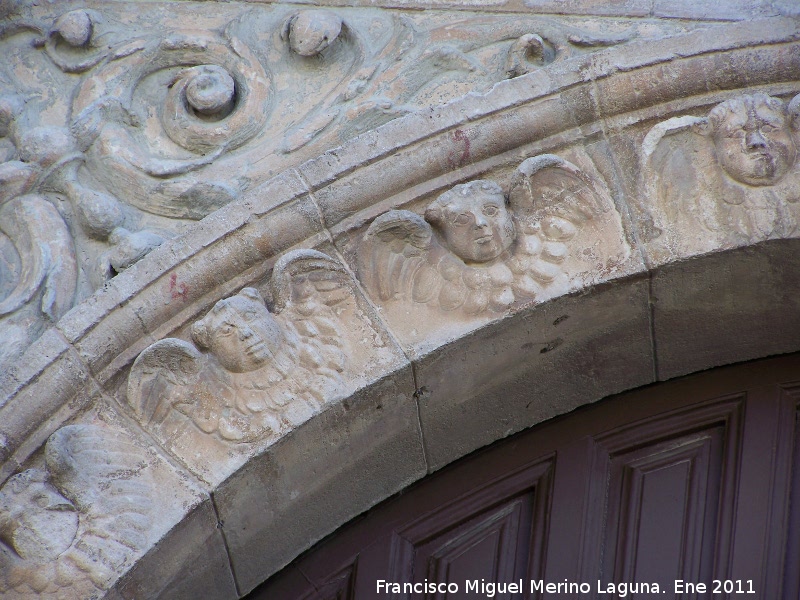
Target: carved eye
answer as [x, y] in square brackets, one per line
[462, 219]
[490, 210]
[226, 329]
[767, 128]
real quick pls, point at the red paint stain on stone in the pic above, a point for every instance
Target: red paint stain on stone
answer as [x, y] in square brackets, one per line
[177, 290]
[456, 158]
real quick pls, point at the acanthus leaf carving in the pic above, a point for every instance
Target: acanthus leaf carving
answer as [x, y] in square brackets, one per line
[42, 168]
[212, 95]
[42, 288]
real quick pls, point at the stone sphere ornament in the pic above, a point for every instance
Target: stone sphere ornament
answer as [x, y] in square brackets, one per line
[210, 91]
[74, 27]
[311, 31]
[45, 145]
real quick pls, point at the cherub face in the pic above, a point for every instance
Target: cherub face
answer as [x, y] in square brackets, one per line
[753, 143]
[476, 225]
[242, 333]
[35, 519]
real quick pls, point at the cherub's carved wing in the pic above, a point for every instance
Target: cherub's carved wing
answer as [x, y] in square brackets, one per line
[396, 247]
[310, 291]
[552, 200]
[156, 373]
[106, 478]
[548, 185]
[666, 174]
[105, 474]
[299, 274]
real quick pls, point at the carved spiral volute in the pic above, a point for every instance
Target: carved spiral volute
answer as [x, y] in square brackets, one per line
[210, 93]
[215, 103]
[163, 109]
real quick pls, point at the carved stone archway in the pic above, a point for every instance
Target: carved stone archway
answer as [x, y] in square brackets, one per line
[200, 401]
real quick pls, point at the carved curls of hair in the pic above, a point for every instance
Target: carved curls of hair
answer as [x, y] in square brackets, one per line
[434, 214]
[201, 335]
[743, 104]
[201, 332]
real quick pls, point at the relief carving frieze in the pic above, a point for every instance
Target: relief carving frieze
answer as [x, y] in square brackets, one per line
[477, 252]
[724, 180]
[131, 126]
[435, 250]
[71, 526]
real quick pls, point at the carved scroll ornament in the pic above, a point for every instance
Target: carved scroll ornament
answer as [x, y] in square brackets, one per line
[475, 253]
[156, 125]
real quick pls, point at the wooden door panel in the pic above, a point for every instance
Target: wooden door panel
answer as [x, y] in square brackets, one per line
[660, 511]
[477, 537]
[697, 479]
[341, 586]
[791, 559]
[667, 479]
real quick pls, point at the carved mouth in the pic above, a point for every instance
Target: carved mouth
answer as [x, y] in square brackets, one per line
[257, 349]
[760, 155]
[484, 239]
[763, 164]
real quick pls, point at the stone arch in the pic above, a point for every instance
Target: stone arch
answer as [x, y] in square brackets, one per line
[413, 401]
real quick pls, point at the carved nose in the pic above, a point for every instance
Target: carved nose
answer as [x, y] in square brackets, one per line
[480, 221]
[245, 332]
[755, 140]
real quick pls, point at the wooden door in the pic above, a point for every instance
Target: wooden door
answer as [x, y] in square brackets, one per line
[693, 480]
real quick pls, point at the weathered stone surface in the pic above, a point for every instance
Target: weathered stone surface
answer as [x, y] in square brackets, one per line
[482, 172]
[29, 417]
[325, 472]
[533, 366]
[726, 308]
[190, 562]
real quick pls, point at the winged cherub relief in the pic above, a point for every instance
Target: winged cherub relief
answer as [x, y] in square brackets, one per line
[725, 179]
[475, 252]
[68, 529]
[251, 374]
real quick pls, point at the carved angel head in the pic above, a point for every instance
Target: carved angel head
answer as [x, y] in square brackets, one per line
[752, 139]
[35, 519]
[474, 220]
[240, 331]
